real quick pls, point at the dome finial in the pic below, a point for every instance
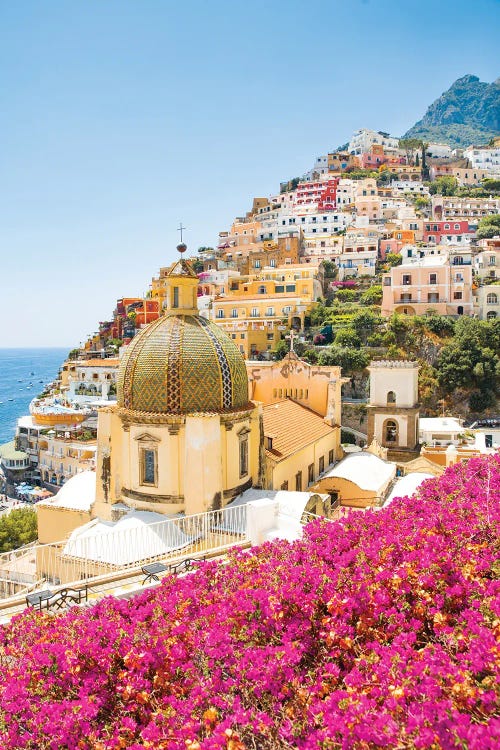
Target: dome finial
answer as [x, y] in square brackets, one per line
[182, 247]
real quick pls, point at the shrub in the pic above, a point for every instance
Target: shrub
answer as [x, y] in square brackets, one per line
[376, 631]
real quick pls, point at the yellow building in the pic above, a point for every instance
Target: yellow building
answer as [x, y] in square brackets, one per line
[183, 415]
[299, 445]
[361, 480]
[317, 387]
[258, 308]
[61, 456]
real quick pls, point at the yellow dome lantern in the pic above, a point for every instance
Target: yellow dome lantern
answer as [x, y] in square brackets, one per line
[182, 363]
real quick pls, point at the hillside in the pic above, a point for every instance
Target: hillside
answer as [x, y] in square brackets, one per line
[468, 113]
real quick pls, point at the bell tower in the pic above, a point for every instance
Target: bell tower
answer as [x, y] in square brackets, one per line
[393, 406]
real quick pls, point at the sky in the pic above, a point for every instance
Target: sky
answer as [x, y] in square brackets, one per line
[119, 119]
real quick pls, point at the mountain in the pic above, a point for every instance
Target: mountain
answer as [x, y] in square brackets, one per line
[468, 113]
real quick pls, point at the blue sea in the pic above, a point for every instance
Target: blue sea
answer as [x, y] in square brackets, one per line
[18, 369]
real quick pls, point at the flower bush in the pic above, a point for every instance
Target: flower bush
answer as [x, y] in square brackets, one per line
[377, 631]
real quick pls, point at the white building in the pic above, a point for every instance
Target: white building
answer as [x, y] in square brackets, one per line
[320, 167]
[487, 264]
[484, 158]
[439, 151]
[362, 141]
[487, 302]
[93, 380]
[440, 430]
[401, 187]
[329, 222]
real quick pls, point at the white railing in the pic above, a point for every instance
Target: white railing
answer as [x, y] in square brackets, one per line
[89, 557]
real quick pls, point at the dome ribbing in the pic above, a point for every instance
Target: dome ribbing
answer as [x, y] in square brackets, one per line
[182, 364]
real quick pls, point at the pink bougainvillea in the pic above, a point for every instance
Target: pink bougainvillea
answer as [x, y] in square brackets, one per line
[378, 631]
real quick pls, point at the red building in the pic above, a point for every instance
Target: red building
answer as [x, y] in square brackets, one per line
[447, 231]
[323, 193]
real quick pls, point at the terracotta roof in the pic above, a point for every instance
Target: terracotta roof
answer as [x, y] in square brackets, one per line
[292, 427]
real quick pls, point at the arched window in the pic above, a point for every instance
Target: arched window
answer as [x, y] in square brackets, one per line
[491, 315]
[391, 432]
[492, 299]
[391, 397]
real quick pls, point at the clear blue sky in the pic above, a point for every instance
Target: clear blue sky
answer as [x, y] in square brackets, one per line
[119, 119]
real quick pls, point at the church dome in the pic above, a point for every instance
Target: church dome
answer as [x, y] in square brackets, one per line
[182, 364]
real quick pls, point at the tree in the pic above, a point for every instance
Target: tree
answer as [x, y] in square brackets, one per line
[491, 185]
[205, 249]
[346, 295]
[444, 186]
[350, 360]
[488, 227]
[364, 323]
[439, 324]
[19, 527]
[197, 265]
[471, 360]
[410, 146]
[348, 337]
[421, 201]
[281, 349]
[372, 296]
[393, 259]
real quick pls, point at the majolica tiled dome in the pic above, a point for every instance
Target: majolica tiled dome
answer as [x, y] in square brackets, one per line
[182, 364]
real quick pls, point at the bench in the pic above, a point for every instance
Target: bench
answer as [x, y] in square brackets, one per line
[153, 570]
[48, 599]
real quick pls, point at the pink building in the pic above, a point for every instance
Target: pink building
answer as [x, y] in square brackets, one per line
[428, 283]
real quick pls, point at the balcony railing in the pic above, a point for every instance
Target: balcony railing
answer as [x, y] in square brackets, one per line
[94, 557]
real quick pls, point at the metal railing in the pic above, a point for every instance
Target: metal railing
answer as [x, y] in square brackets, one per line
[88, 556]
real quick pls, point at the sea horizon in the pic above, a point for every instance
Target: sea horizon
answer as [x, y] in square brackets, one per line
[24, 372]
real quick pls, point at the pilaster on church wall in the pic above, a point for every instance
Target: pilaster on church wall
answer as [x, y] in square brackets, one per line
[202, 463]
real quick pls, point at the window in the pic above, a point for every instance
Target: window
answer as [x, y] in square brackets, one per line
[321, 464]
[270, 311]
[243, 439]
[220, 313]
[257, 264]
[254, 312]
[457, 295]
[406, 279]
[234, 313]
[391, 397]
[456, 226]
[272, 263]
[433, 278]
[492, 299]
[310, 474]
[175, 302]
[330, 457]
[492, 260]
[262, 289]
[148, 466]
[391, 431]
[298, 481]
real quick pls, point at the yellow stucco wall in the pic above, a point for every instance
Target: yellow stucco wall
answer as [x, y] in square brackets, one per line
[278, 472]
[55, 524]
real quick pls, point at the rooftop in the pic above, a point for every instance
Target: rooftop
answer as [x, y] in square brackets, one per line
[364, 469]
[9, 452]
[293, 427]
